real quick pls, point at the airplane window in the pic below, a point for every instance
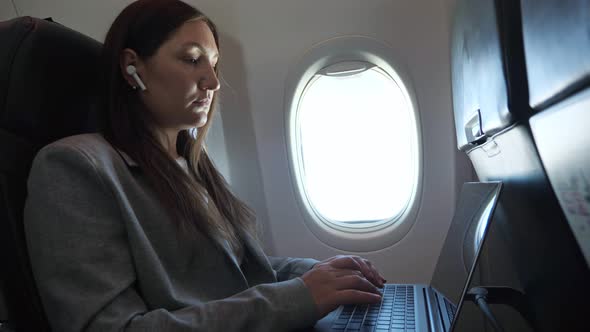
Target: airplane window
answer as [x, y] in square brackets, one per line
[355, 145]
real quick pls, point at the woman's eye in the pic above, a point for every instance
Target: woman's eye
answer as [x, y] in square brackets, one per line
[193, 60]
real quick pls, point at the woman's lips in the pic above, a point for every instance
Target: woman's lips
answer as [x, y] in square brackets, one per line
[202, 102]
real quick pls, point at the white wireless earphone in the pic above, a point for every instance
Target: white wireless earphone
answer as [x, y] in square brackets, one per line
[131, 70]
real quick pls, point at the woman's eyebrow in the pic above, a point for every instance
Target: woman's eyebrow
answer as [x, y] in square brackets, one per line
[201, 48]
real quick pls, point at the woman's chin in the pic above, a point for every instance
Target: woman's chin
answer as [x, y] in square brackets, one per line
[200, 119]
[201, 123]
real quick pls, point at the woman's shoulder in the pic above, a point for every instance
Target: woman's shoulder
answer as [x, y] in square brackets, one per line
[93, 147]
[81, 140]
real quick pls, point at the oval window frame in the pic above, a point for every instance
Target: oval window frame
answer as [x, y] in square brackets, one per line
[325, 55]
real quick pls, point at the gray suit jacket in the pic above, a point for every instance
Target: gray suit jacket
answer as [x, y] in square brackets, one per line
[106, 257]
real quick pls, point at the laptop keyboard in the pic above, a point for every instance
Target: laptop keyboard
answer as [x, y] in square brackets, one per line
[451, 309]
[395, 313]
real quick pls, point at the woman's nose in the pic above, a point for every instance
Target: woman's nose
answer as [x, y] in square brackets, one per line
[209, 81]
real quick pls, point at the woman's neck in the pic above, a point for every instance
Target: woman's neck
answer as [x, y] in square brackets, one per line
[167, 139]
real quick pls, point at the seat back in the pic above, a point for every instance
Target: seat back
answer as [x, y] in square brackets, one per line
[490, 75]
[558, 65]
[48, 77]
[489, 80]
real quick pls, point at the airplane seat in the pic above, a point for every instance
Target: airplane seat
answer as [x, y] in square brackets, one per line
[557, 48]
[492, 112]
[48, 76]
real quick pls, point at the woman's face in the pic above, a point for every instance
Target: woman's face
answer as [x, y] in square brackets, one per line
[180, 78]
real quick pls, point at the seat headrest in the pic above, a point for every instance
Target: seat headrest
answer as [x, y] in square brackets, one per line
[48, 80]
[556, 38]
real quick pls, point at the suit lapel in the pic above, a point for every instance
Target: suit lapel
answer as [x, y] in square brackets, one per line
[235, 267]
[256, 266]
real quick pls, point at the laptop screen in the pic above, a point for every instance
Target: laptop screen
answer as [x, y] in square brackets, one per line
[466, 234]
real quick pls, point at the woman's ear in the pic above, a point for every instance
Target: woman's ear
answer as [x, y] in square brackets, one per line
[129, 57]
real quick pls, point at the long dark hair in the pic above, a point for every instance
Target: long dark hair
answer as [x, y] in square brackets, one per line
[201, 202]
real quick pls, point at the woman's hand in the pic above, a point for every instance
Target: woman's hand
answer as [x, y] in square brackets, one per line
[359, 264]
[343, 280]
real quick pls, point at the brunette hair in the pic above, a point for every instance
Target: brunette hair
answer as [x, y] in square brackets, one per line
[200, 201]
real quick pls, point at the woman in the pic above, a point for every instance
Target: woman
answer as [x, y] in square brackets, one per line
[134, 228]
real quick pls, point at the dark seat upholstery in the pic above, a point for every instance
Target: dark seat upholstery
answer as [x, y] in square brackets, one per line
[48, 76]
[492, 113]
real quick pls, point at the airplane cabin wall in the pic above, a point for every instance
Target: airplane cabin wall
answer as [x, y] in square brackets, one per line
[270, 36]
[6, 10]
[260, 42]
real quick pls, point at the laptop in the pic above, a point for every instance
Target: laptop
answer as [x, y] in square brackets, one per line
[417, 307]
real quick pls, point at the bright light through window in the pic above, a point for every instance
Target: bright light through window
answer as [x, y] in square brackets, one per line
[357, 152]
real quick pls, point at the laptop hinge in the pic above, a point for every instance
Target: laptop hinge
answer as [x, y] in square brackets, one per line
[432, 310]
